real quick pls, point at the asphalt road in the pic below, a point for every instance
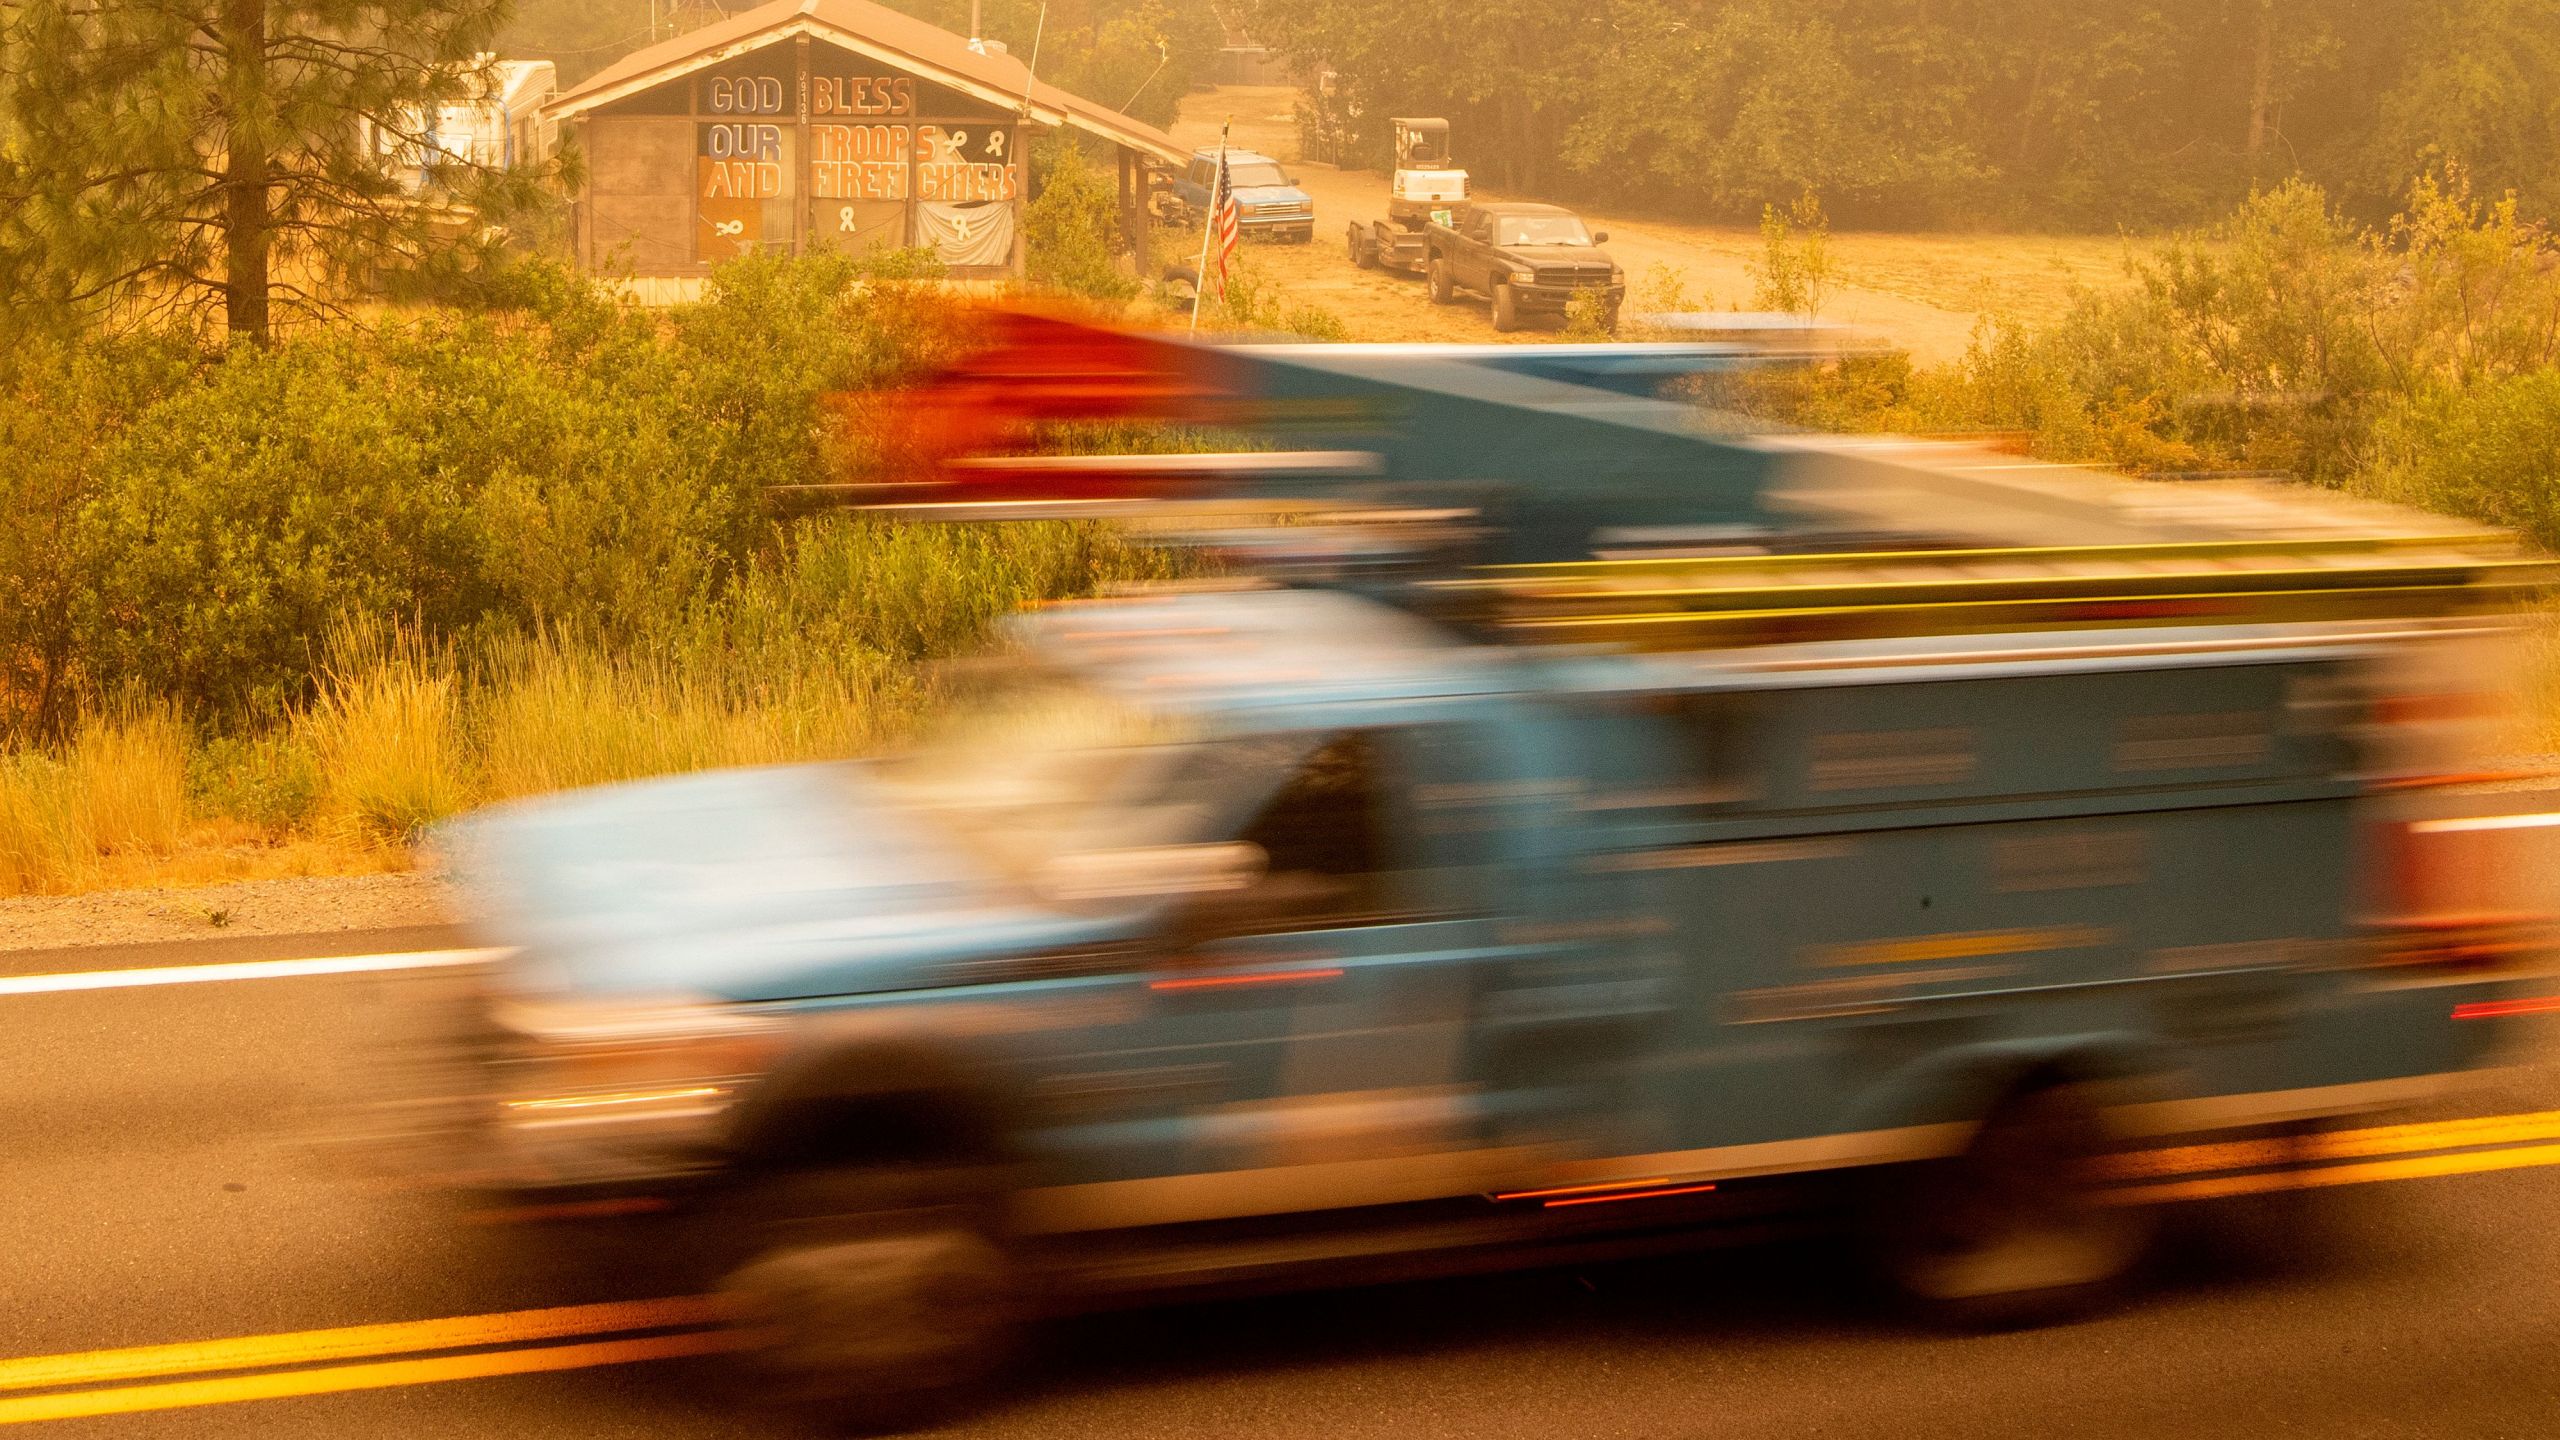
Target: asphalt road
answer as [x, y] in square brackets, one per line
[172, 1175]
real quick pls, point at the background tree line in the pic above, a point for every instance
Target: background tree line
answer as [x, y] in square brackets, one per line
[1964, 112]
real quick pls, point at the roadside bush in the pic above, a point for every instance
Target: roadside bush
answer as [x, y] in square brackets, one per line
[1252, 305]
[2282, 340]
[269, 781]
[1069, 228]
[2490, 454]
[1587, 316]
[61, 407]
[1795, 269]
[239, 516]
[183, 524]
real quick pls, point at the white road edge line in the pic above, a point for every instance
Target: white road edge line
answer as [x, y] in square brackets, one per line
[62, 982]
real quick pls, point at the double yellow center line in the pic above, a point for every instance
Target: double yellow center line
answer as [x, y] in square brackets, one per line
[573, 1337]
[2471, 1146]
[321, 1358]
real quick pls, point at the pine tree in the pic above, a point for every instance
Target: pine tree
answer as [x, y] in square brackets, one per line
[163, 157]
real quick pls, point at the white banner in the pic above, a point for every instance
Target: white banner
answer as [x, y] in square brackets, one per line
[967, 232]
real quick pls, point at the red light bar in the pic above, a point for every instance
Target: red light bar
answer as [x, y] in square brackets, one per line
[2492, 1009]
[1260, 977]
[1630, 1195]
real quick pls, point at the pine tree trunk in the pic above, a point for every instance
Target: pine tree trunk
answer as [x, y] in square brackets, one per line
[2262, 82]
[2027, 111]
[246, 229]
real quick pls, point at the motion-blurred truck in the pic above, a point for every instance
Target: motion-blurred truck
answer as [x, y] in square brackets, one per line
[1590, 836]
[1427, 189]
[1526, 259]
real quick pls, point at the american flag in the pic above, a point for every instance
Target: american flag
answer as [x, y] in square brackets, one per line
[1224, 223]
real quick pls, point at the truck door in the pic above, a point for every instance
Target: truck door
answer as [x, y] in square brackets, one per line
[1370, 940]
[1475, 267]
[1299, 1041]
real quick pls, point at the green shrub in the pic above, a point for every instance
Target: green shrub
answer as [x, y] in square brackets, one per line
[2491, 454]
[1795, 268]
[1252, 305]
[61, 408]
[1071, 226]
[270, 781]
[236, 518]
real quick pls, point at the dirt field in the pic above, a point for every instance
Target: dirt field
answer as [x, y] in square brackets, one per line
[1924, 292]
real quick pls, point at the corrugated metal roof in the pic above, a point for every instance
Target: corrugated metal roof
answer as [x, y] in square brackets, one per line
[885, 34]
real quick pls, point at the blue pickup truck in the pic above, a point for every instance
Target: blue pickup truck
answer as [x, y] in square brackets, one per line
[1268, 201]
[1255, 933]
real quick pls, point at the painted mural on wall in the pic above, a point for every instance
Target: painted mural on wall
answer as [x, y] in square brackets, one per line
[951, 171]
[743, 187]
[821, 147]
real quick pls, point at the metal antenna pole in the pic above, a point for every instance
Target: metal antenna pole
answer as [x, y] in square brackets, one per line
[1031, 72]
[1164, 57]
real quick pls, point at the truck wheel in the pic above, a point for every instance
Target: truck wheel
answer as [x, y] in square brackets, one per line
[1443, 290]
[1363, 254]
[1506, 309]
[876, 1301]
[2018, 1229]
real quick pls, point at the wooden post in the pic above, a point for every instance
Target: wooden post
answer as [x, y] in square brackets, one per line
[582, 206]
[1128, 227]
[798, 180]
[1141, 224]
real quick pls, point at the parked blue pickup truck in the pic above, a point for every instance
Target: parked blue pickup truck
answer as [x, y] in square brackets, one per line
[1424, 914]
[1268, 201]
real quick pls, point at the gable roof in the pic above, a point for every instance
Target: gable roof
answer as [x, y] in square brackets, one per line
[882, 34]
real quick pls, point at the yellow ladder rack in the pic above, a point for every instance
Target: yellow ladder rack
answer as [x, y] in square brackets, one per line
[1681, 603]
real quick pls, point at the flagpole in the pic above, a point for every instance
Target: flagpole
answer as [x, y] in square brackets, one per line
[1209, 222]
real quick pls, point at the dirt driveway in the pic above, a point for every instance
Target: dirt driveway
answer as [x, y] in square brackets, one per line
[1925, 292]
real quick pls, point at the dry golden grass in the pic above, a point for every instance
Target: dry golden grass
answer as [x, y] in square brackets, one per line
[117, 797]
[553, 716]
[408, 738]
[402, 736]
[385, 731]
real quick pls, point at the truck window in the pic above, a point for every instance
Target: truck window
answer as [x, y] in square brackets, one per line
[1329, 860]
[1544, 230]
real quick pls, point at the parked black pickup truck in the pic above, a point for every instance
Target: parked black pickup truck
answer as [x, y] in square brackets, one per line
[1527, 259]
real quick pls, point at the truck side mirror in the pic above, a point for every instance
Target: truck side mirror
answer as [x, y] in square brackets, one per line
[1599, 237]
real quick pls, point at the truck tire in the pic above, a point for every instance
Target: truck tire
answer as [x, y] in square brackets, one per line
[1364, 252]
[872, 1300]
[1506, 308]
[2017, 1230]
[1444, 290]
